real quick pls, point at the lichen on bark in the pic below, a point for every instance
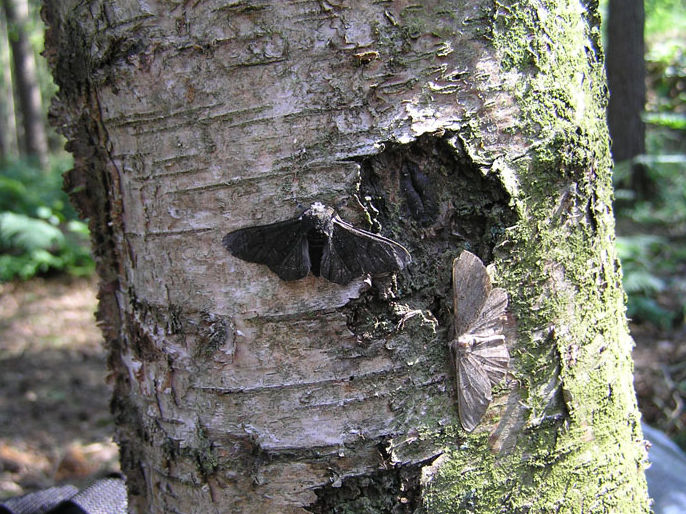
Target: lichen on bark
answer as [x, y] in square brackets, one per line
[561, 260]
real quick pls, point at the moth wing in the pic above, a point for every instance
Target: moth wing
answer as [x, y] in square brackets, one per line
[351, 252]
[471, 287]
[491, 318]
[281, 246]
[493, 357]
[473, 389]
[296, 263]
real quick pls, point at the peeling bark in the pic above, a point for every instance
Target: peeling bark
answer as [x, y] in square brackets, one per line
[238, 392]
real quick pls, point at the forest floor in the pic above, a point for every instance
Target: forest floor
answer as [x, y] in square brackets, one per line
[55, 423]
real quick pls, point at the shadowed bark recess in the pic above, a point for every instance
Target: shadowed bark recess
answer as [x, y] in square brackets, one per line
[443, 126]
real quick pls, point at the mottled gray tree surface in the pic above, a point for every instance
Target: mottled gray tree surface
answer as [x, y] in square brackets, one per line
[442, 126]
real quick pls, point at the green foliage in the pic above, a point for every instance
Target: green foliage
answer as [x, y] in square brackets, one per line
[20, 233]
[653, 256]
[666, 79]
[669, 120]
[648, 262]
[666, 208]
[664, 26]
[39, 230]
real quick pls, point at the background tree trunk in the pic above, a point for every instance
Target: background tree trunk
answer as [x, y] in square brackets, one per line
[626, 80]
[8, 130]
[34, 142]
[445, 126]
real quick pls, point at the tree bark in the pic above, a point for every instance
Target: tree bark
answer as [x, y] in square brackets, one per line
[8, 132]
[626, 80]
[34, 140]
[445, 126]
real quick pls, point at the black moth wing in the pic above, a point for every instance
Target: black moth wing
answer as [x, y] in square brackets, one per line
[281, 246]
[473, 388]
[351, 252]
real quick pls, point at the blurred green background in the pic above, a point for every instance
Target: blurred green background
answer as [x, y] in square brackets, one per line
[40, 232]
[651, 225]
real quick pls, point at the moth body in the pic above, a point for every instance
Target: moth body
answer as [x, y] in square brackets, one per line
[469, 341]
[318, 227]
[317, 221]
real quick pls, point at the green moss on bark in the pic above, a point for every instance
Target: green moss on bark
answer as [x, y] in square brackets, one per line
[580, 449]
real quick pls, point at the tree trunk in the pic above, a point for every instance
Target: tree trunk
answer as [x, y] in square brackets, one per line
[626, 80]
[8, 131]
[34, 140]
[443, 126]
